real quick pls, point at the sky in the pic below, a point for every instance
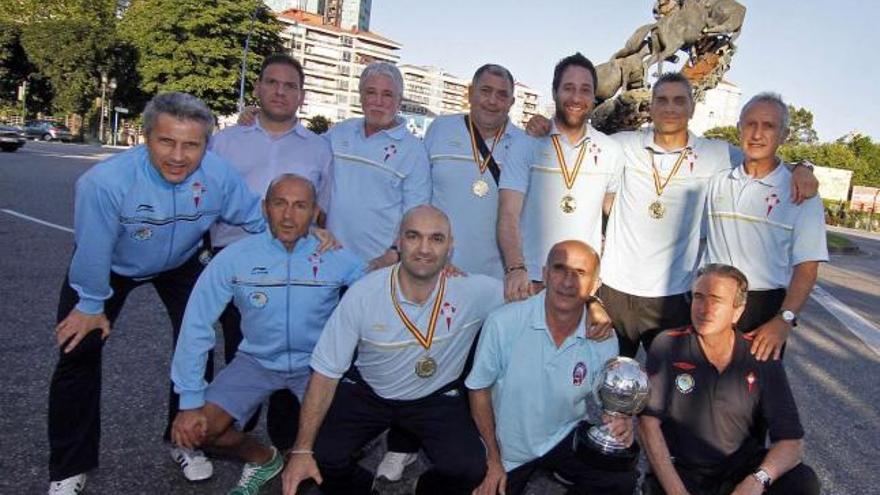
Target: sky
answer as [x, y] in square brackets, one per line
[816, 54]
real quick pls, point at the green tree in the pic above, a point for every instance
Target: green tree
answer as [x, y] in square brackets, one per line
[727, 133]
[319, 124]
[800, 127]
[196, 46]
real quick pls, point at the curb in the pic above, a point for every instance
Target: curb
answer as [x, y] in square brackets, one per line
[844, 250]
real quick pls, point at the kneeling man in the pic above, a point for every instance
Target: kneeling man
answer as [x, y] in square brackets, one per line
[703, 428]
[532, 378]
[285, 289]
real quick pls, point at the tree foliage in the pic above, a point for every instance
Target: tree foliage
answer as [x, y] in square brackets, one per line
[800, 128]
[196, 46]
[727, 133]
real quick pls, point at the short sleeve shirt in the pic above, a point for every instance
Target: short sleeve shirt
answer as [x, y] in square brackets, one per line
[539, 391]
[387, 352]
[534, 170]
[376, 180]
[453, 174]
[754, 226]
[706, 416]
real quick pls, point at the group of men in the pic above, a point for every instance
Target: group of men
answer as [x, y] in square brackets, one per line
[436, 236]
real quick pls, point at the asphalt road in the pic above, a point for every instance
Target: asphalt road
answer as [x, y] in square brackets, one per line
[833, 371]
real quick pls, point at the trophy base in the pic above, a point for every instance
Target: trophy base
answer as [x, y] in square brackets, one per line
[596, 446]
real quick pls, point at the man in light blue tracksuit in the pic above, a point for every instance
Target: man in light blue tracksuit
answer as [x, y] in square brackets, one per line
[139, 218]
[285, 290]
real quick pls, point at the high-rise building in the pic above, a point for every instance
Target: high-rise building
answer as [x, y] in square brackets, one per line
[719, 108]
[429, 92]
[333, 59]
[526, 106]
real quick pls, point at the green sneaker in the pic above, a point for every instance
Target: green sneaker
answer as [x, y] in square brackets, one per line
[254, 476]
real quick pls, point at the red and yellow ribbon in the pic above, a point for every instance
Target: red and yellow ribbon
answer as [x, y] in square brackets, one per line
[425, 341]
[569, 176]
[484, 163]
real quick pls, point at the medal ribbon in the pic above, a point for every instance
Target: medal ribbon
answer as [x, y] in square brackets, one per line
[435, 311]
[568, 176]
[658, 187]
[475, 149]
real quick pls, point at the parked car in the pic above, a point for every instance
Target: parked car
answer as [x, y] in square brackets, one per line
[47, 131]
[11, 138]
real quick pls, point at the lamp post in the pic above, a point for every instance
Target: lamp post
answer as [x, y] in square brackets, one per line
[247, 44]
[103, 106]
[112, 86]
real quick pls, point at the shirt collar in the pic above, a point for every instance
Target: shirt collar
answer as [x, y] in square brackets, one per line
[258, 127]
[776, 178]
[305, 244]
[539, 317]
[586, 137]
[648, 142]
[397, 132]
[402, 298]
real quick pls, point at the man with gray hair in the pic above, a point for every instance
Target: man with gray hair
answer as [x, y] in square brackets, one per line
[139, 217]
[379, 171]
[776, 243]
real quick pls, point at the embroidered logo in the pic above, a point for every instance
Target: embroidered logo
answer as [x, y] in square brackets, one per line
[258, 299]
[692, 159]
[684, 383]
[315, 260]
[684, 366]
[390, 151]
[751, 378]
[259, 270]
[772, 200]
[142, 234]
[198, 190]
[578, 374]
[144, 208]
[448, 311]
[594, 150]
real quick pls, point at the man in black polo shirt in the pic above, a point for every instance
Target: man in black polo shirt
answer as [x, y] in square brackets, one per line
[709, 397]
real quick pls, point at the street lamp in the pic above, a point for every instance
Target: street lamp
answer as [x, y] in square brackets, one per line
[103, 106]
[247, 44]
[112, 86]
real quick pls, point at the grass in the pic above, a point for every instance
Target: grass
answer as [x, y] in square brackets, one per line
[837, 242]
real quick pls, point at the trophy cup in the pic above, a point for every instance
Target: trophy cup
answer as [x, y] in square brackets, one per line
[622, 389]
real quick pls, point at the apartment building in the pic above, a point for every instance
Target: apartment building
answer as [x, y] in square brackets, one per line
[527, 104]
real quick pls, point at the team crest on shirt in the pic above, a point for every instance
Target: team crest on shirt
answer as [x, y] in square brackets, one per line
[315, 260]
[692, 159]
[578, 374]
[258, 299]
[751, 379]
[684, 382]
[142, 234]
[198, 190]
[594, 151]
[448, 311]
[772, 200]
[390, 151]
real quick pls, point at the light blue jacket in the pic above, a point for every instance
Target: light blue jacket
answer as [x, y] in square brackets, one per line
[129, 220]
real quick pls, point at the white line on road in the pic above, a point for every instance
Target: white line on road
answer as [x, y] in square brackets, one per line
[856, 323]
[37, 220]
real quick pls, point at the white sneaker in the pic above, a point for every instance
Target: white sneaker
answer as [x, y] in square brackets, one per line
[392, 465]
[68, 486]
[196, 467]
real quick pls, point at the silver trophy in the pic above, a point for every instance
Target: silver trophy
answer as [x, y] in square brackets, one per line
[622, 388]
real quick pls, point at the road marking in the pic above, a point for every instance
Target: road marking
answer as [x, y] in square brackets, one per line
[866, 331]
[37, 220]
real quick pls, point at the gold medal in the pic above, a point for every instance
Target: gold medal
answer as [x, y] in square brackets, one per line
[480, 188]
[657, 209]
[568, 204]
[425, 367]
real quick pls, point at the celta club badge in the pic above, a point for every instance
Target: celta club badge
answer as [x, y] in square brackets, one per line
[684, 383]
[142, 234]
[390, 151]
[594, 150]
[258, 299]
[315, 260]
[197, 190]
[751, 378]
[692, 159]
[448, 311]
[772, 200]
[578, 374]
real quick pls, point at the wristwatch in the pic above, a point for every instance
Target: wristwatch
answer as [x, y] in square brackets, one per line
[788, 316]
[763, 477]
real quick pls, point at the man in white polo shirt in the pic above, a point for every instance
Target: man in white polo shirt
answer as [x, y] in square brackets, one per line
[554, 188]
[380, 170]
[412, 329]
[532, 377]
[276, 143]
[776, 244]
[467, 153]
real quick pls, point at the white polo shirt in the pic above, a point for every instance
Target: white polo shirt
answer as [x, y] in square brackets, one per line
[656, 257]
[376, 180]
[754, 226]
[387, 352]
[539, 391]
[532, 169]
[260, 157]
[453, 173]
